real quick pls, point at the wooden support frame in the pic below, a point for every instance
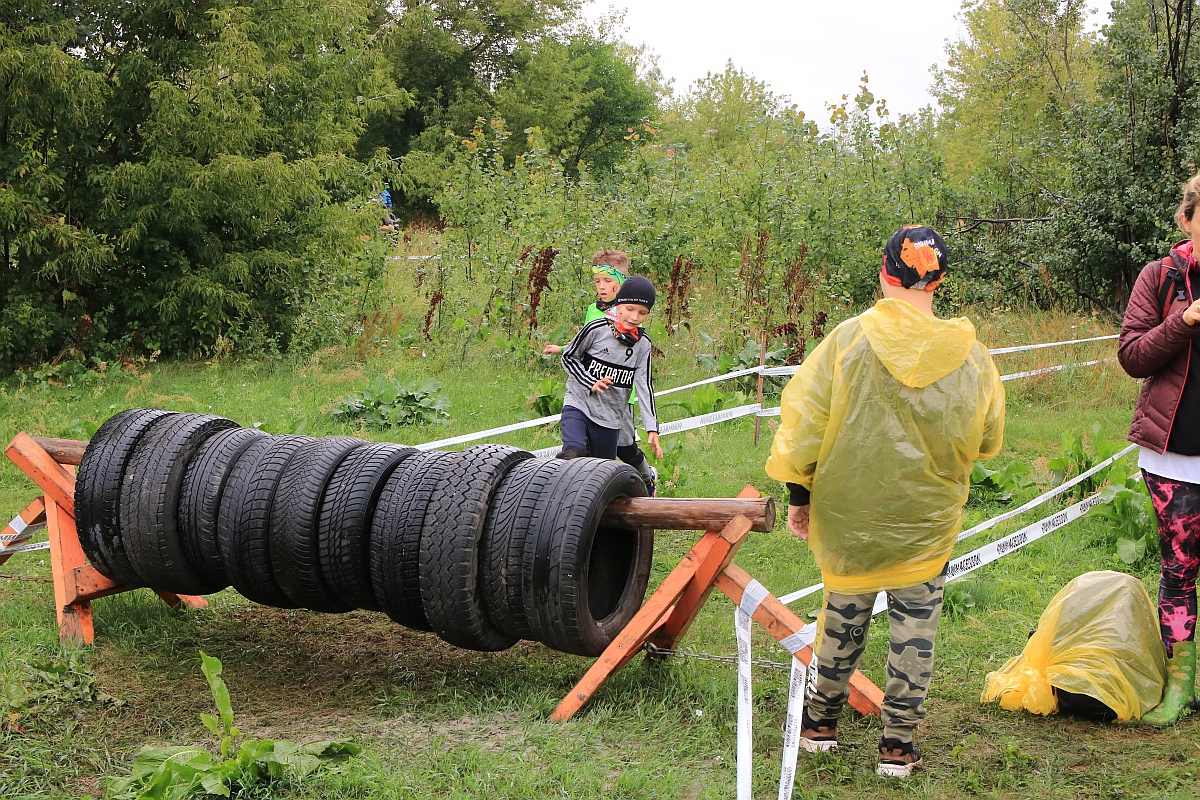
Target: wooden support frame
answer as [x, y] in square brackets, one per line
[76, 583]
[671, 609]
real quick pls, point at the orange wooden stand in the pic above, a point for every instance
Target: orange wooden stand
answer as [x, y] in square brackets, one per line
[672, 608]
[76, 583]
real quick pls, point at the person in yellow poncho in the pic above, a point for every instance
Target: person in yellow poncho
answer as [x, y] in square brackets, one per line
[880, 428]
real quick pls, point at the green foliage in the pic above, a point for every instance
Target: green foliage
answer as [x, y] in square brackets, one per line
[390, 402]
[776, 356]
[50, 687]
[546, 397]
[244, 765]
[1130, 511]
[671, 469]
[1074, 459]
[170, 177]
[999, 484]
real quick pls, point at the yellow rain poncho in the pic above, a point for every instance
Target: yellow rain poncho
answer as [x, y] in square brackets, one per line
[882, 423]
[1099, 637]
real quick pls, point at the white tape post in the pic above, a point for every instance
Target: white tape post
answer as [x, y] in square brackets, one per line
[745, 713]
[752, 597]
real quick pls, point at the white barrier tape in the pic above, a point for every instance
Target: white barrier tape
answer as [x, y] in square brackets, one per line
[722, 377]
[769, 412]
[547, 452]
[25, 548]
[799, 640]
[1046, 370]
[752, 597]
[1015, 541]
[1048, 496]
[745, 712]
[773, 372]
[996, 351]
[994, 521]
[18, 525]
[471, 437]
[797, 684]
[703, 420]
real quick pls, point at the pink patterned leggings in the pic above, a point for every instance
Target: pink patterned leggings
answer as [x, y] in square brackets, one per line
[1177, 506]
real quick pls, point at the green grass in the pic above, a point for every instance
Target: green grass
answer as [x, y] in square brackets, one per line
[439, 722]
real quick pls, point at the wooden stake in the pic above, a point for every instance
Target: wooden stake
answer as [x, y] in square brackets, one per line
[762, 361]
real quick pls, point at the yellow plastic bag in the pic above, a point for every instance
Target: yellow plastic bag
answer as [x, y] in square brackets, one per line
[1099, 637]
[883, 422]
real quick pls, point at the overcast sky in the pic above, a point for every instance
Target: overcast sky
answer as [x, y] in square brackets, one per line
[813, 52]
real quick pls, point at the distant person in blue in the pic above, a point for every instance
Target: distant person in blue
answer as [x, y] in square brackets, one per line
[389, 221]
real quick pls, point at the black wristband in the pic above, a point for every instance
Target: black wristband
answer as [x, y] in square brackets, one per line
[798, 495]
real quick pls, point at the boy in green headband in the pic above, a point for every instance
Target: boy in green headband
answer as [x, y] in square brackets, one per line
[610, 268]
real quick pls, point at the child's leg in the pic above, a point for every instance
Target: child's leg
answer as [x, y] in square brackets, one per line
[602, 442]
[841, 638]
[574, 433]
[1177, 507]
[913, 615]
[628, 450]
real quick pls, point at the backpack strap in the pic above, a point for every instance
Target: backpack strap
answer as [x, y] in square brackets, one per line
[1170, 277]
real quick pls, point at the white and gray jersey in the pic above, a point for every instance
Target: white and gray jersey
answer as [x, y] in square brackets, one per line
[596, 353]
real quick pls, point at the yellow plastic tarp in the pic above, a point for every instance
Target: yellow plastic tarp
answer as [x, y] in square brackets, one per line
[1099, 637]
[883, 423]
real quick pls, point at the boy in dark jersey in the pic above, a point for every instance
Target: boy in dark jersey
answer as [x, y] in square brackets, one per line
[605, 361]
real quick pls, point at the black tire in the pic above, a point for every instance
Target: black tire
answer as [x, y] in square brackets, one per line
[450, 548]
[98, 491]
[200, 502]
[396, 531]
[503, 546]
[344, 528]
[150, 494]
[244, 522]
[295, 512]
[583, 583]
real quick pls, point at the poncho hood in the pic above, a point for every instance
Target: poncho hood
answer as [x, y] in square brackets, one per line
[917, 350]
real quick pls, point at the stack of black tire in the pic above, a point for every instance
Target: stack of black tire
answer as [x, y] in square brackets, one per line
[484, 547]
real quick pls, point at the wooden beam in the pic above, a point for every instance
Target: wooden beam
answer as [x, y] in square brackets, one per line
[74, 617]
[690, 513]
[780, 622]
[52, 477]
[64, 451]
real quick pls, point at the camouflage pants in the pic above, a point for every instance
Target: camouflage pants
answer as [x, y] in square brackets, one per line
[842, 627]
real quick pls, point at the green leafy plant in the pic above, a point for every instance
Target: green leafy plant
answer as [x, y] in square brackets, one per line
[50, 685]
[1074, 459]
[999, 484]
[546, 396]
[707, 399]
[745, 358]
[391, 402]
[1128, 508]
[244, 764]
[670, 470]
[963, 596]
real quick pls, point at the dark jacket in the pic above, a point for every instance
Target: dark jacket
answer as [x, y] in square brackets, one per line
[1157, 348]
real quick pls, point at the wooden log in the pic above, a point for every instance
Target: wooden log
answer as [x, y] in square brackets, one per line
[42, 469]
[690, 513]
[64, 451]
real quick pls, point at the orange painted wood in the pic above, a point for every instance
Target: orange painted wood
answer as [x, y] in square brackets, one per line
[52, 477]
[780, 622]
[86, 583]
[633, 636]
[182, 600]
[30, 515]
[74, 617]
[697, 593]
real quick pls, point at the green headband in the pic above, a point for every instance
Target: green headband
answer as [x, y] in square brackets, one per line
[610, 271]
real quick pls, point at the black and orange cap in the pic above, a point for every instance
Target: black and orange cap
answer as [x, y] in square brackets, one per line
[915, 258]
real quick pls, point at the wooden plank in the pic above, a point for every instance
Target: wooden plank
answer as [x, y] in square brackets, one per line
[780, 622]
[74, 616]
[86, 583]
[48, 474]
[32, 514]
[690, 513]
[697, 593]
[64, 451]
[629, 641]
[191, 601]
